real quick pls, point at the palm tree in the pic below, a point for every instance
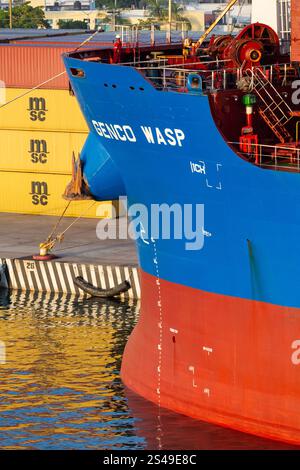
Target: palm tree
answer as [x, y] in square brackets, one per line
[157, 9]
[176, 11]
[177, 15]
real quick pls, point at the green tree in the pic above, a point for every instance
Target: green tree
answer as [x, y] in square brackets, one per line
[176, 11]
[72, 24]
[24, 16]
[157, 9]
[177, 15]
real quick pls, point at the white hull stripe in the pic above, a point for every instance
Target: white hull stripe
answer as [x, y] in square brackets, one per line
[56, 277]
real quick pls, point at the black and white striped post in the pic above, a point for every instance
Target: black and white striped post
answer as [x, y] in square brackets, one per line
[53, 276]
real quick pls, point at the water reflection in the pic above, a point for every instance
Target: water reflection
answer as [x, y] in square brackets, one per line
[60, 387]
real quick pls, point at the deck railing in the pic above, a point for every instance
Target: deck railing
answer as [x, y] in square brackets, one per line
[215, 75]
[174, 77]
[134, 36]
[275, 157]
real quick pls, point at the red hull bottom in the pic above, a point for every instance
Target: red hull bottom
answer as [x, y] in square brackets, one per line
[225, 360]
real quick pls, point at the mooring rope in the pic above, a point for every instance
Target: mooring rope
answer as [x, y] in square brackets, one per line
[79, 217]
[59, 220]
[59, 237]
[32, 89]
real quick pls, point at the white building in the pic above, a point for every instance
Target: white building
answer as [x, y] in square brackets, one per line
[67, 5]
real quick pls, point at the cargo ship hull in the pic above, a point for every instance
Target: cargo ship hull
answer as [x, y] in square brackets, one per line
[218, 337]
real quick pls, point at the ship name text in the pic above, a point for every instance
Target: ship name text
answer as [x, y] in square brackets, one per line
[153, 135]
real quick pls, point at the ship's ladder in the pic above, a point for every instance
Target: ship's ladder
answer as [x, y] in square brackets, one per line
[273, 109]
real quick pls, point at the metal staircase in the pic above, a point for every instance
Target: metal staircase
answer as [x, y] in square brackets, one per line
[274, 109]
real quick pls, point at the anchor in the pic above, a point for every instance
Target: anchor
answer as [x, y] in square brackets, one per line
[77, 189]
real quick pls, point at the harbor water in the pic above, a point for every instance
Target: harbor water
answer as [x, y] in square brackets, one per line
[60, 384]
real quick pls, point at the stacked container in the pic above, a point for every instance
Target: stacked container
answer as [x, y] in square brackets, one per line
[40, 129]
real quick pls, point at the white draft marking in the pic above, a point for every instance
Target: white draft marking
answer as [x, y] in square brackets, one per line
[192, 369]
[175, 332]
[160, 323]
[208, 350]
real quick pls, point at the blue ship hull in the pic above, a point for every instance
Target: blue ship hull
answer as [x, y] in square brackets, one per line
[239, 292]
[243, 203]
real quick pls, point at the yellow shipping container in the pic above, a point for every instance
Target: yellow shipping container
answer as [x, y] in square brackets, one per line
[48, 110]
[38, 151]
[41, 194]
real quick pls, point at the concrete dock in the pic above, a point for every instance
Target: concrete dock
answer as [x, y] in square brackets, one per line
[103, 263]
[20, 236]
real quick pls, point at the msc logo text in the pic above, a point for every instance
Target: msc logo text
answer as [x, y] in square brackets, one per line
[38, 151]
[37, 109]
[39, 193]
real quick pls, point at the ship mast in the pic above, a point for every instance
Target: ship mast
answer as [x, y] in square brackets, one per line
[215, 23]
